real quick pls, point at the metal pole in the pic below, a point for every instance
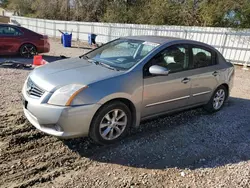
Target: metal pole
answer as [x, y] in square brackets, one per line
[156, 31]
[36, 26]
[77, 32]
[28, 23]
[92, 28]
[130, 30]
[185, 34]
[44, 26]
[224, 44]
[245, 65]
[109, 32]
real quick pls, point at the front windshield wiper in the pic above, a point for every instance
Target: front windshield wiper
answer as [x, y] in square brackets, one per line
[84, 57]
[98, 62]
[87, 58]
[105, 65]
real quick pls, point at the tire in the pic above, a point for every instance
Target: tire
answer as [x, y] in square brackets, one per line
[28, 50]
[114, 110]
[211, 106]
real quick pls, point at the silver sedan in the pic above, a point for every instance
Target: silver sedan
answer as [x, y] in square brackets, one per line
[105, 92]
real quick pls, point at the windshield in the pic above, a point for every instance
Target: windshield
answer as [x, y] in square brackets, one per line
[122, 54]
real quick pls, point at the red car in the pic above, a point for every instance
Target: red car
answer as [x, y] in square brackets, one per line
[19, 40]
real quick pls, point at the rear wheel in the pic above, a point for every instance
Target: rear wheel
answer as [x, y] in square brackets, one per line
[28, 50]
[217, 100]
[111, 123]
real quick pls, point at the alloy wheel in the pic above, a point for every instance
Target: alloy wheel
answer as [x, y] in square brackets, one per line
[219, 99]
[113, 124]
[28, 50]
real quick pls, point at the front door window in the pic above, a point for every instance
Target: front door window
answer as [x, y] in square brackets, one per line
[174, 58]
[9, 31]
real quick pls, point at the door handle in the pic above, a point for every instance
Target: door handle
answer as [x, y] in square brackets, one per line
[185, 80]
[215, 73]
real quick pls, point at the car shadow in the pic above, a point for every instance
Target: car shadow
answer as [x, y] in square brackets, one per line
[191, 139]
[18, 62]
[51, 59]
[84, 48]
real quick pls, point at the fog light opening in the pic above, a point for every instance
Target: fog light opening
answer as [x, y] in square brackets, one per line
[58, 128]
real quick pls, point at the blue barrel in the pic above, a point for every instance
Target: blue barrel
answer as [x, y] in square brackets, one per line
[91, 38]
[67, 38]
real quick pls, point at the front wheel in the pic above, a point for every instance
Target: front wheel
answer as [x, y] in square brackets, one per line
[217, 100]
[111, 123]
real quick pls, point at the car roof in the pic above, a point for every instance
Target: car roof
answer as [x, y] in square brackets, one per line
[154, 39]
[18, 27]
[13, 25]
[5, 24]
[165, 39]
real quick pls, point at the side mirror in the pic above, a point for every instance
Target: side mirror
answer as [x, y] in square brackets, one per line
[158, 70]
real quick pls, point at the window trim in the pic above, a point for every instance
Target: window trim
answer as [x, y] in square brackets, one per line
[15, 28]
[213, 55]
[180, 44]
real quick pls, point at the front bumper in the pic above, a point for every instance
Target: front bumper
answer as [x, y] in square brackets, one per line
[63, 122]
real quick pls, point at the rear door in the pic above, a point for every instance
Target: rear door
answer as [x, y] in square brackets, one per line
[205, 71]
[10, 40]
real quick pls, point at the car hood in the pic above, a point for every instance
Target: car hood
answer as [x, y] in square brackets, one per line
[69, 71]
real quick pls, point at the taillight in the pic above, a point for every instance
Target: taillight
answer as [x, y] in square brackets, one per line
[44, 37]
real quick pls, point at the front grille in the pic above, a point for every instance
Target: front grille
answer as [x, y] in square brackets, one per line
[33, 90]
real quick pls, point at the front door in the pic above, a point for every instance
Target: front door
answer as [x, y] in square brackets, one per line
[171, 92]
[2, 41]
[10, 40]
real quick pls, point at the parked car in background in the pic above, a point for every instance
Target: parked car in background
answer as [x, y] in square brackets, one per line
[19, 40]
[105, 92]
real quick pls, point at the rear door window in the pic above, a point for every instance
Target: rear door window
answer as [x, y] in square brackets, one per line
[201, 58]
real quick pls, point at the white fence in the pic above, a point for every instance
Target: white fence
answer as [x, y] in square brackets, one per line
[233, 44]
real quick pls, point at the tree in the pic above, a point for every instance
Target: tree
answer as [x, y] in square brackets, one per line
[88, 10]
[3, 3]
[117, 11]
[226, 13]
[161, 12]
[50, 9]
[22, 7]
[217, 13]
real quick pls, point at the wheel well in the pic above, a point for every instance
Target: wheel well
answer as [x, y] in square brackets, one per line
[227, 87]
[128, 103]
[25, 44]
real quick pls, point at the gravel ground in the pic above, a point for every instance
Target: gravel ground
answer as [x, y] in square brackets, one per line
[188, 149]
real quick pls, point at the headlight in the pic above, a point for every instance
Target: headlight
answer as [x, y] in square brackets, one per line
[66, 94]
